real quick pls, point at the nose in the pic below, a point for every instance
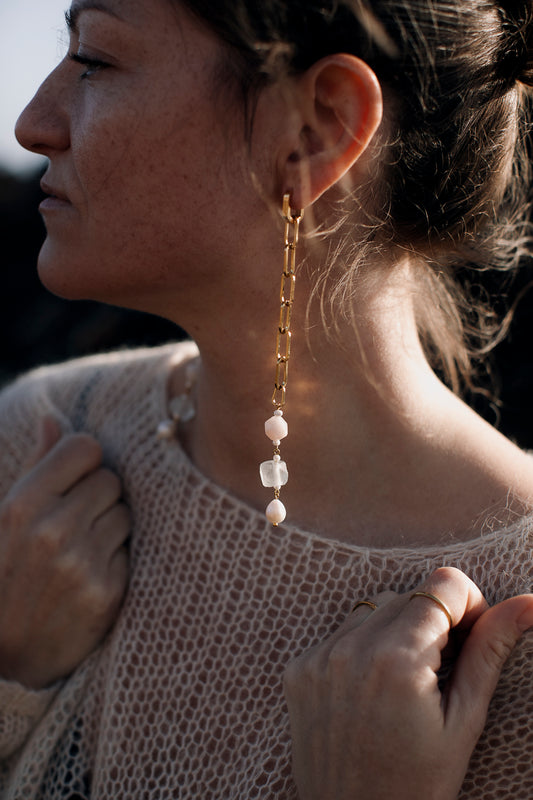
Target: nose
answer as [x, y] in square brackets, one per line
[43, 126]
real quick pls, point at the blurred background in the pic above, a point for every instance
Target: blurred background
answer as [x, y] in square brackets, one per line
[37, 328]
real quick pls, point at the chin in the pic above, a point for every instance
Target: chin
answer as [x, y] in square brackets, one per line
[72, 280]
[56, 281]
[62, 275]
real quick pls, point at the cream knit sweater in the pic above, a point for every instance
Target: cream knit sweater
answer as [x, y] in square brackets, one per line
[184, 698]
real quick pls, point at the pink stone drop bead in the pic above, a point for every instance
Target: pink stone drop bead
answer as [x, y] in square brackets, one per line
[276, 428]
[275, 512]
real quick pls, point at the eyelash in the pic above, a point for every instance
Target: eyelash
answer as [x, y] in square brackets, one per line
[93, 64]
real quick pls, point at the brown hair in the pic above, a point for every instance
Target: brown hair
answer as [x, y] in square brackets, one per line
[455, 176]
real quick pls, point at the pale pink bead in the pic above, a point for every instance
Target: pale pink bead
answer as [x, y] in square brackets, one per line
[275, 512]
[276, 428]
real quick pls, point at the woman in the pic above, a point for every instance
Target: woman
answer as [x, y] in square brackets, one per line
[143, 652]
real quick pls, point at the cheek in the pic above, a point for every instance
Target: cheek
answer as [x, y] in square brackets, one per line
[156, 192]
[102, 135]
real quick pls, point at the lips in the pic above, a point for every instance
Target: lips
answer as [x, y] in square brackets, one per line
[56, 199]
[53, 192]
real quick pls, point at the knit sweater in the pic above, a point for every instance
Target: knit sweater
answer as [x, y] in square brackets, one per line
[184, 697]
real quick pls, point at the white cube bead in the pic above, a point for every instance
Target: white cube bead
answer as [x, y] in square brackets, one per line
[182, 408]
[274, 474]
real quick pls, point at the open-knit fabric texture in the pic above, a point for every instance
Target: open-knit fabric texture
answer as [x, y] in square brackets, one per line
[184, 698]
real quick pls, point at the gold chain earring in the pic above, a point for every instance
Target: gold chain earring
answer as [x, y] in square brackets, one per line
[274, 473]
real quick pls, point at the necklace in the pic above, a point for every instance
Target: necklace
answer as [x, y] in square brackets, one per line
[181, 408]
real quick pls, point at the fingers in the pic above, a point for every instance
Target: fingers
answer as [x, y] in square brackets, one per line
[118, 574]
[482, 658]
[417, 626]
[65, 492]
[62, 466]
[361, 612]
[93, 496]
[379, 675]
[72, 458]
[447, 593]
[111, 531]
[48, 435]
[363, 609]
[63, 563]
[425, 609]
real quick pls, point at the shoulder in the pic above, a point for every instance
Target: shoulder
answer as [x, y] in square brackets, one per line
[85, 394]
[112, 365]
[509, 471]
[117, 368]
[519, 470]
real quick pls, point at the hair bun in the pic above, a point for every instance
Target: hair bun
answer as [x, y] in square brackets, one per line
[517, 62]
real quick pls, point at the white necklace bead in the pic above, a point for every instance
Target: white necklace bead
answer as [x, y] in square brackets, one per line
[276, 428]
[166, 429]
[275, 512]
[274, 474]
[181, 408]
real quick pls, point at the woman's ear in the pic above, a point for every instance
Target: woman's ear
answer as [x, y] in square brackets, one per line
[340, 108]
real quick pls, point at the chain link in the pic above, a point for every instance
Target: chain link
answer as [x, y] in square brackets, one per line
[286, 299]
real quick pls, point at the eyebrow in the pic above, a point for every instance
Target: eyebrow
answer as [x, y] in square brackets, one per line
[73, 14]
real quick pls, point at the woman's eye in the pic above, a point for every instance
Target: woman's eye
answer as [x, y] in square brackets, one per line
[92, 64]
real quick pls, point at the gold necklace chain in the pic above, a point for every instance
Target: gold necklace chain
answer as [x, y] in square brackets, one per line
[274, 473]
[286, 299]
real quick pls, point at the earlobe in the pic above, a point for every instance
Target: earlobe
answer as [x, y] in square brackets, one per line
[340, 105]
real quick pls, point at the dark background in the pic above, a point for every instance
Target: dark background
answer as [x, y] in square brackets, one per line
[38, 328]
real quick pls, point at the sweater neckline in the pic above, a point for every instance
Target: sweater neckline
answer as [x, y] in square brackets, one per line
[176, 459]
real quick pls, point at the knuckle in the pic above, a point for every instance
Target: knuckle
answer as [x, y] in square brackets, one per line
[293, 671]
[447, 575]
[14, 512]
[392, 660]
[300, 672]
[114, 525]
[382, 598]
[111, 480]
[104, 600]
[292, 677]
[117, 578]
[85, 447]
[121, 568]
[96, 598]
[116, 597]
[72, 571]
[342, 657]
[48, 539]
[498, 649]
[124, 519]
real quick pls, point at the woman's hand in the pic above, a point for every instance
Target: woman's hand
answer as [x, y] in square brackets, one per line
[369, 718]
[63, 563]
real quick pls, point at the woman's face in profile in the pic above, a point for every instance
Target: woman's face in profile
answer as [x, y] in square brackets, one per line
[138, 151]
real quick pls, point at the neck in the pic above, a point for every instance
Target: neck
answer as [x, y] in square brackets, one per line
[352, 410]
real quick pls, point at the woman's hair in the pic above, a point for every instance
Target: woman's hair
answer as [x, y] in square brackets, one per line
[454, 181]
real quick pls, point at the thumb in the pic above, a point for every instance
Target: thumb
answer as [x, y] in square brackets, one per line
[49, 434]
[484, 653]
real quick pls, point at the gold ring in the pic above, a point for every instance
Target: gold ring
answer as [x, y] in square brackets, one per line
[436, 600]
[368, 603]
